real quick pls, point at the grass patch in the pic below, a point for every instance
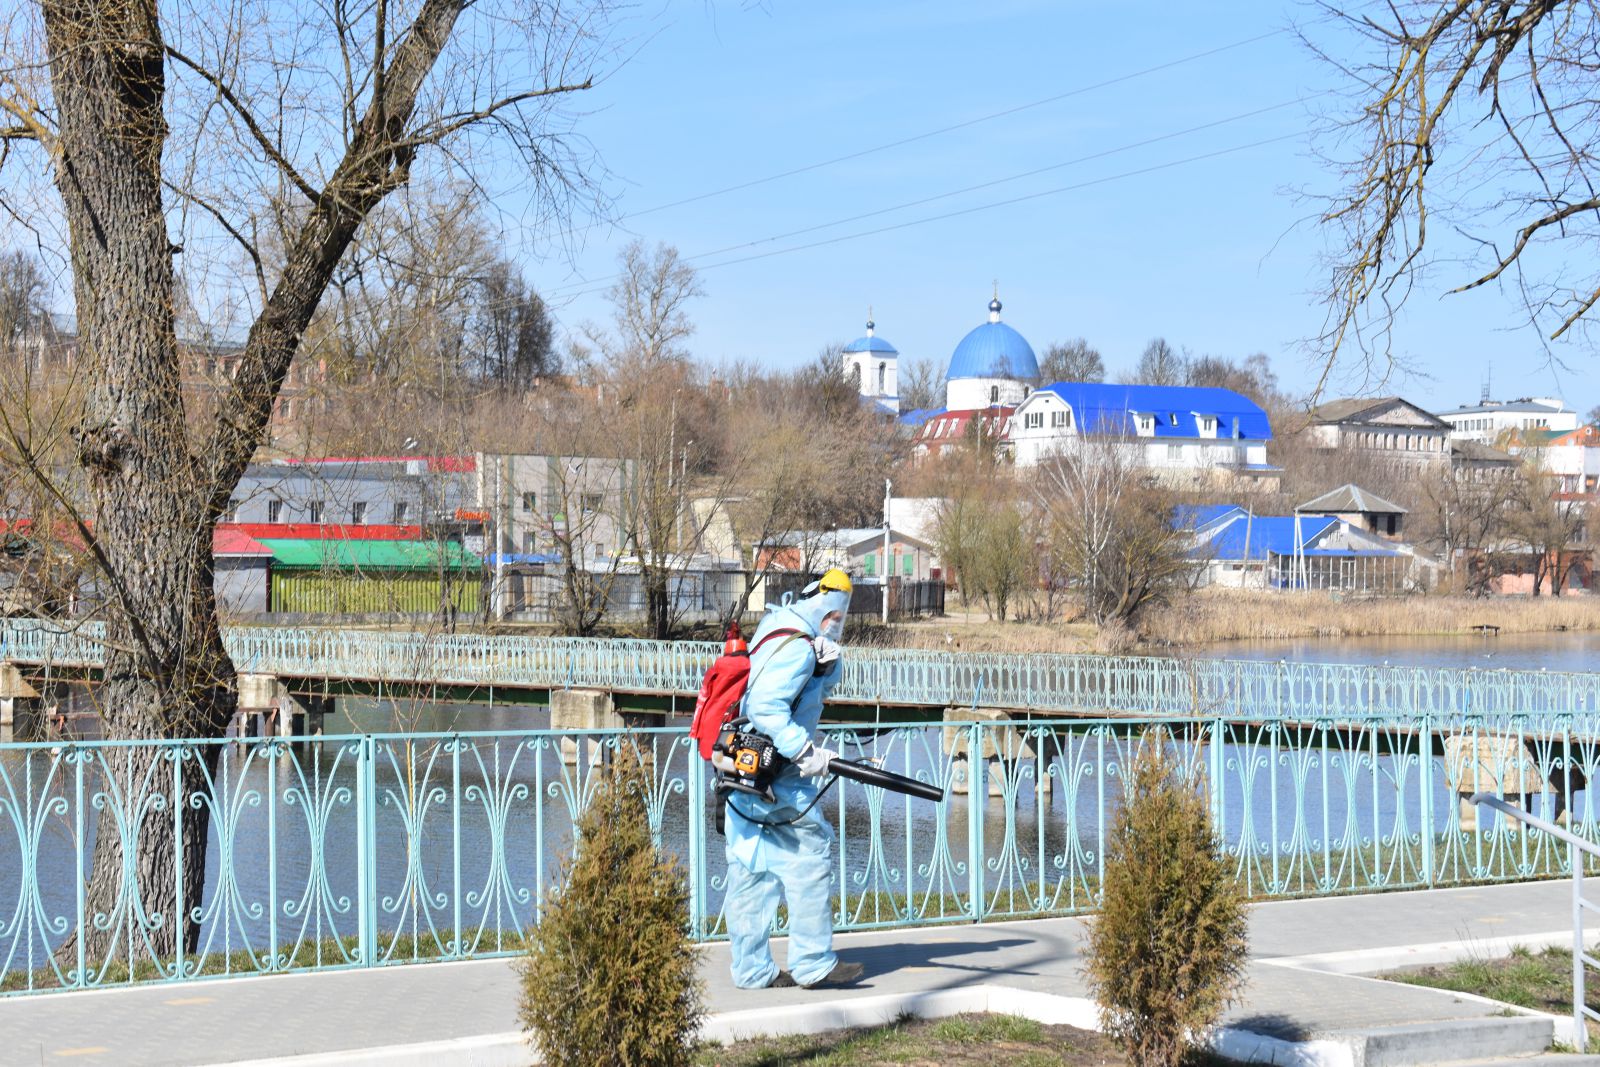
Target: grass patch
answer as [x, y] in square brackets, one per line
[958, 1041]
[1539, 980]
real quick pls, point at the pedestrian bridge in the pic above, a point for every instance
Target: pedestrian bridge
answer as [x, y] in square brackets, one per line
[1048, 683]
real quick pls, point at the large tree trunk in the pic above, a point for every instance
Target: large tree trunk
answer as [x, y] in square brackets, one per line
[166, 673]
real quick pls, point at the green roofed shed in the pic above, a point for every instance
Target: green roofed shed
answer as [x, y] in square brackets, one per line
[361, 577]
[368, 554]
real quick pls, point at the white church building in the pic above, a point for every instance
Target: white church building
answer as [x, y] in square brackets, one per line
[993, 389]
[871, 361]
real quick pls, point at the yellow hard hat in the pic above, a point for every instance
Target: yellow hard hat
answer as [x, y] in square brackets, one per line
[835, 580]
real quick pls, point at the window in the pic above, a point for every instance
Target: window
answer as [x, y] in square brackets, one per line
[883, 379]
[232, 514]
[274, 511]
[1174, 453]
[358, 512]
[400, 509]
[314, 511]
[906, 565]
[530, 502]
[994, 394]
[593, 501]
[1147, 423]
[1033, 420]
[1207, 424]
[529, 543]
[870, 563]
[1058, 419]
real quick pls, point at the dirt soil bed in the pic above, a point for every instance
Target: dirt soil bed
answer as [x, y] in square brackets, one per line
[959, 1041]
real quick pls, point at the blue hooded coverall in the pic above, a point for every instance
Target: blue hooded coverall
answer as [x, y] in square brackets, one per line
[784, 702]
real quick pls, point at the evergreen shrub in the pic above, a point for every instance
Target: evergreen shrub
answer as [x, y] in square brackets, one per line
[610, 977]
[1167, 953]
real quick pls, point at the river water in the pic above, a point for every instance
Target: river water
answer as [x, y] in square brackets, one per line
[474, 837]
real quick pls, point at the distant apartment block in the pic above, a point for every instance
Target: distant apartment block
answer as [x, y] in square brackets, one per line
[1491, 420]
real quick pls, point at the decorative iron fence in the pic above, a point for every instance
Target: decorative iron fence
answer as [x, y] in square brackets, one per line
[1041, 682]
[373, 850]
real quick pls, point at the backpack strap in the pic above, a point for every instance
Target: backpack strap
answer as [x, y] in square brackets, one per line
[782, 631]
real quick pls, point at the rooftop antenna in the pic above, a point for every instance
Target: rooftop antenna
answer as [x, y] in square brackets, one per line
[1488, 378]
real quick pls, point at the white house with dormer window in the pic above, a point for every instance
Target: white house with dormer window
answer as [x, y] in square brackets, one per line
[1185, 431]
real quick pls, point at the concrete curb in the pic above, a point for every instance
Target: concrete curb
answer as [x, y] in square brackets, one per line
[509, 1049]
[1393, 957]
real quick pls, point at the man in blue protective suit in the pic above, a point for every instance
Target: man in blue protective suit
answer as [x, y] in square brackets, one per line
[786, 844]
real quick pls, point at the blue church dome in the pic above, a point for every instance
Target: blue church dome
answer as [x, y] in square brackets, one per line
[993, 350]
[869, 343]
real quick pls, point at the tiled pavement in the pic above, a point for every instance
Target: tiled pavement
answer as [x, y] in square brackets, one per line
[259, 1018]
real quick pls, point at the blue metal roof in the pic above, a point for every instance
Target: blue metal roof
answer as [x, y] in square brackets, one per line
[1199, 516]
[993, 350]
[872, 344]
[1106, 408]
[918, 416]
[1267, 534]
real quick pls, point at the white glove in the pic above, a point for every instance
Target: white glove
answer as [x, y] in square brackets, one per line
[827, 651]
[813, 760]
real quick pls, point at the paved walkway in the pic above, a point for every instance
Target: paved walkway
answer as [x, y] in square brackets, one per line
[1304, 982]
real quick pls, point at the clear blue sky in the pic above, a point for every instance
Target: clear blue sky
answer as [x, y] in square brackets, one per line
[1217, 255]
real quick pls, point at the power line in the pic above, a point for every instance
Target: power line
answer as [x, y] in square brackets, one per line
[983, 207]
[1119, 79]
[584, 288]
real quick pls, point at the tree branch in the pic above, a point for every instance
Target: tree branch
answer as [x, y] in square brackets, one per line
[273, 153]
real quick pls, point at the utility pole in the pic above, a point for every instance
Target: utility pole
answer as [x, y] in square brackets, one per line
[497, 516]
[888, 490]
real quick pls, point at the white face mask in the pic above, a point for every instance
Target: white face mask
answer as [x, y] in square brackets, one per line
[833, 626]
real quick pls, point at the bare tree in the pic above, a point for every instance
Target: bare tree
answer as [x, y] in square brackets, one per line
[921, 384]
[1547, 524]
[1468, 118]
[515, 337]
[1159, 364]
[24, 295]
[1071, 361]
[1114, 528]
[148, 123]
[1252, 377]
[649, 304]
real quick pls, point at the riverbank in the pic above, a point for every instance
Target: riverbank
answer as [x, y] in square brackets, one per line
[1215, 616]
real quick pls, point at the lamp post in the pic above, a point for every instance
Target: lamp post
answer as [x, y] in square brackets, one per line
[888, 489]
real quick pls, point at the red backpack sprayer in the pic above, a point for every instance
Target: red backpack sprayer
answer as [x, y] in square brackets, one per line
[746, 761]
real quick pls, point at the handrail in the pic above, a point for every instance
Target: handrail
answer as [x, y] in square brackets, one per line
[1576, 847]
[1043, 681]
[1537, 823]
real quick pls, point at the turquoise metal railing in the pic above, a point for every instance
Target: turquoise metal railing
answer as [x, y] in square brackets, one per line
[371, 850]
[1077, 684]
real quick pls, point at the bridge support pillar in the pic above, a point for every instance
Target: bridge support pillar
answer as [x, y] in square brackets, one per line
[19, 706]
[1002, 748]
[583, 709]
[1504, 765]
[303, 714]
[268, 708]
